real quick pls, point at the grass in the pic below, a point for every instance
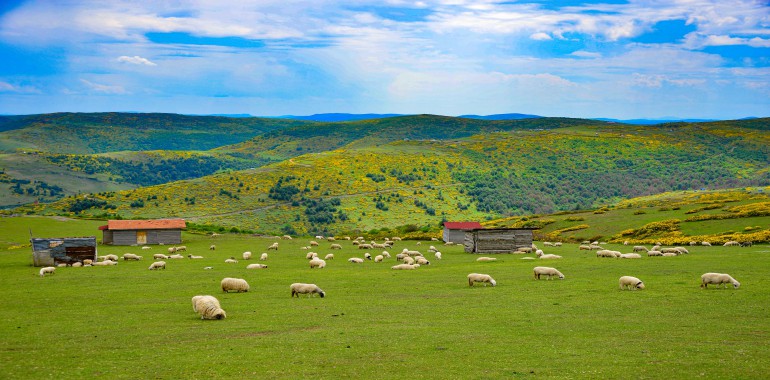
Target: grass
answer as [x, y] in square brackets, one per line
[128, 322]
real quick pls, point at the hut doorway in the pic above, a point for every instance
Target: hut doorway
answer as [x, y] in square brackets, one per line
[141, 237]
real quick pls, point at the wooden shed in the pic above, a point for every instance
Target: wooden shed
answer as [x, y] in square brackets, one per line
[53, 251]
[140, 232]
[455, 231]
[497, 240]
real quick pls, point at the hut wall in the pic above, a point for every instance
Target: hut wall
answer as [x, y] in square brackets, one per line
[454, 236]
[124, 237]
[106, 237]
[496, 240]
[129, 237]
[51, 251]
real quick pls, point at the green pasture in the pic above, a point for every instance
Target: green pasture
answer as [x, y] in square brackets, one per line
[128, 322]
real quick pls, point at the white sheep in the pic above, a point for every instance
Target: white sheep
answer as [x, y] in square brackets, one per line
[77, 264]
[607, 253]
[298, 288]
[404, 267]
[365, 246]
[208, 307]
[335, 246]
[654, 253]
[146, 247]
[557, 244]
[109, 257]
[159, 256]
[356, 260]
[158, 265]
[231, 261]
[61, 265]
[247, 255]
[422, 261]
[718, 279]
[547, 271]
[263, 257]
[330, 238]
[317, 263]
[378, 258]
[731, 243]
[438, 255]
[408, 260]
[705, 244]
[47, 270]
[682, 250]
[640, 248]
[549, 256]
[630, 256]
[367, 256]
[212, 247]
[176, 256]
[630, 283]
[486, 259]
[329, 256]
[313, 243]
[432, 249]
[286, 237]
[273, 246]
[584, 248]
[386, 254]
[194, 257]
[483, 278]
[237, 284]
[171, 249]
[131, 256]
[105, 263]
[669, 254]
[311, 255]
[256, 266]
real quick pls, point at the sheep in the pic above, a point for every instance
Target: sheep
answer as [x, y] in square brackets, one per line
[692, 243]
[171, 249]
[418, 243]
[483, 278]
[548, 244]
[105, 263]
[395, 238]
[367, 256]
[47, 270]
[146, 247]
[77, 264]
[176, 256]
[400, 256]
[670, 250]
[411, 253]
[231, 261]
[731, 243]
[61, 265]
[595, 247]
[386, 254]
[356, 260]
[131, 256]
[408, 260]
[158, 265]
[208, 268]
[237, 284]
[319, 237]
[607, 253]
[656, 247]
[298, 288]
[365, 246]
[640, 248]
[212, 247]
[335, 246]
[630, 256]
[525, 249]
[311, 255]
[557, 244]
[584, 248]
[181, 248]
[194, 257]
[630, 283]
[356, 242]
[208, 307]
[256, 266]
[329, 256]
[438, 255]
[486, 259]
[718, 279]
[330, 238]
[404, 267]
[109, 257]
[546, 271]
[539, 252]
[378, 258]
[313, 243]
[317, 263]
[654, 253]
[159, 256]
[263, 257]
[705, 244]
[449, 243]
[422, 261]
[286, 237]
[682, 250]
[432, 249]
[273, 246]
[88, 262]
[669, 254]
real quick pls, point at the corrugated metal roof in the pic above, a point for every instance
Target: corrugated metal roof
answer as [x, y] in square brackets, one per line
[462, 225]
[158, 224]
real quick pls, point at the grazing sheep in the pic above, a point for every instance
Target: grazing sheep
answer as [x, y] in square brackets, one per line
[718, 279]
[705, 243]
[607, 253]
[486, 259]
[311, 255]
[654, 253]
[356, 242]
[395, 238]
[630, 256]
[181, 248]
[329, 256]
[237, 284]
[656, 247]
[131, 256]
[418, 243]
[335, 246]
[176, 256]
[547, 271]
[682, 250]
[313, 243]
[692, 243]
[330, 238]
[317, 263]
[557, 244]
[158, 265]
[433, 239]
[256, 266]
[367, 256]
[159, 256]
[640, 248]
[411, 253]
[584, 248]
[171, 249]
[539, 252]
[483, 278]
[356, 260]
[109, 257]
[400, 256]
[408, 260]
[386, 254]
[731, 243]
[231, 261]
[365, 246]
[378, 258]
[422, 261]
[194, 257]
[273, 246]
[298, 288]
[432, 249]
[670, 250]
[208, 307]
[548, 244]
[449, 243]
[212, 247]
[404, 267]
[263, 257]
[286, 237]
[595, 247]
[438, 255]
[630, 283]
[47, 270]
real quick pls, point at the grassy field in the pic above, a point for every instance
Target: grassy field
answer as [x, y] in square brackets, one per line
[129, 322]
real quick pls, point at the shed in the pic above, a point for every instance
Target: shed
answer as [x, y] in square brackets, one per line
[455, 231]
[52, 251]
[133, 232]
[497, 240]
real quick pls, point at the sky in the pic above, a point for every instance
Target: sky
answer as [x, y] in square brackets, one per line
[611, 58]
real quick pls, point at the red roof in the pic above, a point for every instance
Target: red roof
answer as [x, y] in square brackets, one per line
[462, 225]
[159, 224]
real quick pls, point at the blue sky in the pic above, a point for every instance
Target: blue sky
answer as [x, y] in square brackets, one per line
[611, 58]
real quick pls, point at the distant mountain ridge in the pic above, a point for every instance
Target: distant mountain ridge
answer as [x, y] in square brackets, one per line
[340, 117]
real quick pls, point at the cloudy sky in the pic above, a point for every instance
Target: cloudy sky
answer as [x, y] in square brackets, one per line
[610, 58]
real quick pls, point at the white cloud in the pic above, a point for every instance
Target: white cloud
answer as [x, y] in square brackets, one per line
[136, 60]
[586, 54]
[540, 36]
[103, 88]
[7, 87]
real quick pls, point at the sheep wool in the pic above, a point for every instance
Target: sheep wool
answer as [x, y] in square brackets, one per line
[256, 266]
[547, 271]
[208, 307]
[404, 267]
[483, 278]
[356, 260]
[231, 261]
[378, 258]
[247, 255]
[317, 263]
[237, 284]
[438, 255]
[47, 270]
[486, 259]
[131, 256]
[298, 288]
[630, 283]
[329, 256]
[718, 279]
[158, 265]
[263, 257]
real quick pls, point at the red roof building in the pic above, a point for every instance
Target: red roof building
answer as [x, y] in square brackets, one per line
[140, 232]
[455, 231]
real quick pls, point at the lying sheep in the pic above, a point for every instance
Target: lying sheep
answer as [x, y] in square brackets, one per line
[237, 284]
[263, 257]
[61, 265]
[486, 259]
[286, 237]
[630, 256]
[356, 260]
[77, 264]
[194, 257]
[247, 255]
[329, 256]
[158, 265]
[146, 247]
[208, 307]
[718, 279]
[669, 254]
[654, 253]
[483, 278]
[404, 267]
[547, 271]
[422, 261]
[109, 257]
[256, 266]
[548, 256]
[176, 256]
[105, 263]
[131, 256]
[607, 253]
[47, 270]
[231, 261]
[317, 263]
[298, 288]
[630, 283]
[159, 256]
